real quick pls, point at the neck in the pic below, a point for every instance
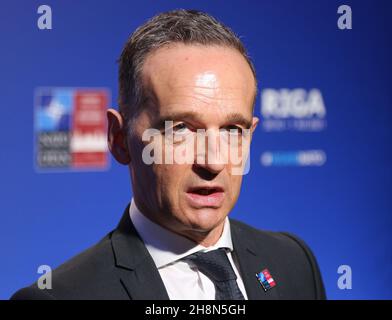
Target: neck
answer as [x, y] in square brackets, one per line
[204, 238]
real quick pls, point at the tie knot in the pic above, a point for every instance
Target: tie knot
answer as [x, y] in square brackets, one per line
[214, 264]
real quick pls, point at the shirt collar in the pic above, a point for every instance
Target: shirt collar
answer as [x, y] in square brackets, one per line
[165, 246]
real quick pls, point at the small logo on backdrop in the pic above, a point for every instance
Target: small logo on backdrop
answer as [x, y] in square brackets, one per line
[70, 128]
[45, 281]
[44, 21]
[266, 280]
[297, 158]
[345, 19]
[293, 110]
[345, 280]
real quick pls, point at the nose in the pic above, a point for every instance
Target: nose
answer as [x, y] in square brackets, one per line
[212, 168]
[210, 153]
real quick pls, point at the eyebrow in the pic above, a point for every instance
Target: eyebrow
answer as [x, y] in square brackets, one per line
[239, 119]
[235, 117]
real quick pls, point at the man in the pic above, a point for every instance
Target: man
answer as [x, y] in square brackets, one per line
[183, 77]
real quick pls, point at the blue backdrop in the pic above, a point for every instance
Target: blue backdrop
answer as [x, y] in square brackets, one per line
[340, 206]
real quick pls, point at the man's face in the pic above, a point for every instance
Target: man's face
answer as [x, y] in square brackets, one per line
[196, 87]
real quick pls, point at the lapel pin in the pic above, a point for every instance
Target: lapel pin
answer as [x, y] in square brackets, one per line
[266, 280]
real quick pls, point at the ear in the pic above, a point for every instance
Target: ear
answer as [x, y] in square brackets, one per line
[117, 137]
[255, 122]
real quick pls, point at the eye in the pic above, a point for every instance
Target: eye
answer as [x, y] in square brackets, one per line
[233, 129]
[180, 128]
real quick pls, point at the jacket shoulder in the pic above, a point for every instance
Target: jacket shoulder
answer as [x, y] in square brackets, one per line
[32, 293]
[89, 275]
[291, 258]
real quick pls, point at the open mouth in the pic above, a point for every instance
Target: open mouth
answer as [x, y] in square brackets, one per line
[205, 196]
[205, 191]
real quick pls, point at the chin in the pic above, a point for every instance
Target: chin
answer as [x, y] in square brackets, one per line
[205, 219]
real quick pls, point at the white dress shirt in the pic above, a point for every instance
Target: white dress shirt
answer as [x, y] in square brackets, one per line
[182, 279]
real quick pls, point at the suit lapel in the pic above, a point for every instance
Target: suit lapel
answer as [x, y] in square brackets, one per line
[135, 267]
[251, 260]
[142, 281]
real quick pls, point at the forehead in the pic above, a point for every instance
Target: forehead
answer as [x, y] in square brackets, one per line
[196, 75]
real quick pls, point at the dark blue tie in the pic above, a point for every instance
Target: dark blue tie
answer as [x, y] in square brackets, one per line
[216, 266]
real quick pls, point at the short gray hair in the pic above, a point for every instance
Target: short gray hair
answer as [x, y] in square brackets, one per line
[178, 26]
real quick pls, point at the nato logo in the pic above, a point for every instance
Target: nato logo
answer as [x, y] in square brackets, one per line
[70, 128]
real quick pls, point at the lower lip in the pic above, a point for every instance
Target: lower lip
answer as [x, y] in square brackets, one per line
[212, 200]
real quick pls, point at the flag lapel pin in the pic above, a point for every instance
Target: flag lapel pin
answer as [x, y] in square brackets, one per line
[266, 280]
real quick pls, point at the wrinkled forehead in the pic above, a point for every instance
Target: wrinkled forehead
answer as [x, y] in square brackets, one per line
[205, 73]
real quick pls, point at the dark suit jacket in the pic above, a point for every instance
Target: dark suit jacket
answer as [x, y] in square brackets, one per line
[120, 267]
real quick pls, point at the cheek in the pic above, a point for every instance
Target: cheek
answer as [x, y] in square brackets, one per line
[235, 186]
[171, 178]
